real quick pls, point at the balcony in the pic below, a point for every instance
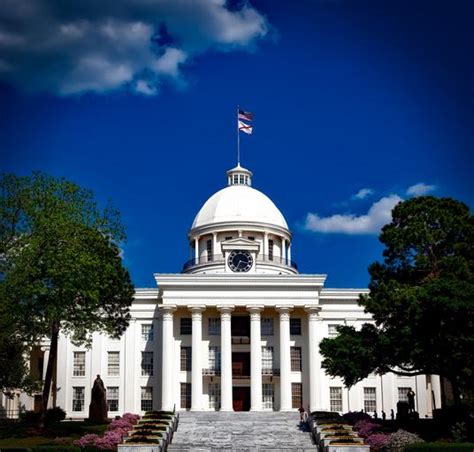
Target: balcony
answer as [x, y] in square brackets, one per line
[212, 372]
[219, 259]
[272, 372]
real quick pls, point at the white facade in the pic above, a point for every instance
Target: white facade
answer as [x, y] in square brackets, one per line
[237, 330]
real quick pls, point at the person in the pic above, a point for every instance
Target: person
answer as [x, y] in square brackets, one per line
[302, 413]
[411, 400]
[384, 415]
[392, 414]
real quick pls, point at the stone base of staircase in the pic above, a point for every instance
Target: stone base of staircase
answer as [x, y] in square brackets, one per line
[240, 431]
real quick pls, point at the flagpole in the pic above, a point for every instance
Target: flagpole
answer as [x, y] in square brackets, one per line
[238, 138]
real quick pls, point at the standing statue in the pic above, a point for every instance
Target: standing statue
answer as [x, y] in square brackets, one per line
[98, 406]
[411, 401]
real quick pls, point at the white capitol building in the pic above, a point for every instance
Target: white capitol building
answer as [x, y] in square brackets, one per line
[238, 329]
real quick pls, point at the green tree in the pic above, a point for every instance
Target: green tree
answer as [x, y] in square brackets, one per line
[61, 268]
[421, 300]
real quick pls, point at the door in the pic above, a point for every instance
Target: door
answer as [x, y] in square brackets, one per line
[241, 365]
[241, 398]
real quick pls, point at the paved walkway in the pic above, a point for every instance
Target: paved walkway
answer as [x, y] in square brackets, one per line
[240, 431]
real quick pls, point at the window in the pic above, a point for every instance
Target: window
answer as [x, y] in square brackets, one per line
[214, 358]
[214, 326]
[78, 398]
[147, 398]
[186, 395]
[270, 250]
[332, 330]
[214, 396]
[296, 395]
[113, 398]
[267, 396]
[147, 332]
[251, 238]
[186, 359]
[79, 367]
[295, 327]
[335, 398]
[113, 364]
[403, 394]
[370, 401]
[242, 179]
[186, 325]
[209, 250]
[267, 358]
[267, 326]
[147, 364]
[295, 359]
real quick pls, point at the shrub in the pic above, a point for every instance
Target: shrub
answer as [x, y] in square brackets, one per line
[401, 439]
[55, 415]
[445, 447]
[366, 428]
[86, 440]
[377, 441]
[354, 416]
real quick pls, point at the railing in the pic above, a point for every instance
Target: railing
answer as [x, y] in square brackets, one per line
[9, 415]
[219, 259]
[240, 339]
[271, 372]
[211, 372]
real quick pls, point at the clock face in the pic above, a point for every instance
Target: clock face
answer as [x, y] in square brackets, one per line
[240, 261]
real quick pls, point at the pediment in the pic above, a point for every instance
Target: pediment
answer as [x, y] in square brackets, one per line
[240, 243]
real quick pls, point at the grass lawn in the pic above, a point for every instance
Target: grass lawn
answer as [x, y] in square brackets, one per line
[445, 447]
[62, 433]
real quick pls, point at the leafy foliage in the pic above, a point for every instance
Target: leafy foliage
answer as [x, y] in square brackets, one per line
[60, 265]
[421, 299]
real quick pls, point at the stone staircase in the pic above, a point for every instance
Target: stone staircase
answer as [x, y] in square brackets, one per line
[240, 431]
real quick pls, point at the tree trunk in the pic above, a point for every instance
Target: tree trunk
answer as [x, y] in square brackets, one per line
[53, 353]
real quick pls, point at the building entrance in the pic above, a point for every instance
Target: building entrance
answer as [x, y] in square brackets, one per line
[241, 398]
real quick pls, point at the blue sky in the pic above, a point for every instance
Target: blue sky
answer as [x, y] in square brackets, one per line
[138, 104]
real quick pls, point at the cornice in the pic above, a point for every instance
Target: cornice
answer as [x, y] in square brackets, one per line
[224, 226]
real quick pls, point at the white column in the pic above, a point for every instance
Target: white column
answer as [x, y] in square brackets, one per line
[314, 324]
[289, 253]
[265, 244]
[285, 358]
[226, 358]
[167, 366]
[196, 364]
[214, 244]
[283, 250]
[196, 250]
[255, 358]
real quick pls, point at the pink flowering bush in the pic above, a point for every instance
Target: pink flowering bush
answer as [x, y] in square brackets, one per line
[113, 436]
[366, 428]
[377, 441]
[87, 440]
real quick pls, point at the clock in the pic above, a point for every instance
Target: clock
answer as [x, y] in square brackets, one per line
[240, 261]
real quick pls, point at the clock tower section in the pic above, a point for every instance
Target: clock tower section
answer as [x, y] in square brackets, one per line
[236, 253]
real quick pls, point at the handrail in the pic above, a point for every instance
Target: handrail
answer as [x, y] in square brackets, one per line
[219, 259]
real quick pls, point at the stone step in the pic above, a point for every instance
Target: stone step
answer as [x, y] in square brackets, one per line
[242, 431]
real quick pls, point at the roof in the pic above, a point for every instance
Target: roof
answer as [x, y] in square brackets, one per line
[239, 203]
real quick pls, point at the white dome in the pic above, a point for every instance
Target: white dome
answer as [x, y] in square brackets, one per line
[239, 203]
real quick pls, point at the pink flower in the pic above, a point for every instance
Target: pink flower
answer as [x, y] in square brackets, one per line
[86, 440]
[377, 441]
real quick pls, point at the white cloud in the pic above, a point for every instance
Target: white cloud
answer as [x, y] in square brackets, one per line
[363, 193]
[379, 214]
[72, 47]
[420, 189]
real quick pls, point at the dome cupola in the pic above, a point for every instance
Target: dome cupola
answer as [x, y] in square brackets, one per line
[243, 223]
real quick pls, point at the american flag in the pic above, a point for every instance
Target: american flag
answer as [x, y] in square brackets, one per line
[245, 115]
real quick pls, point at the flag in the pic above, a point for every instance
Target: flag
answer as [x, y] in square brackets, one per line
[245, 115]
[246, 128]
